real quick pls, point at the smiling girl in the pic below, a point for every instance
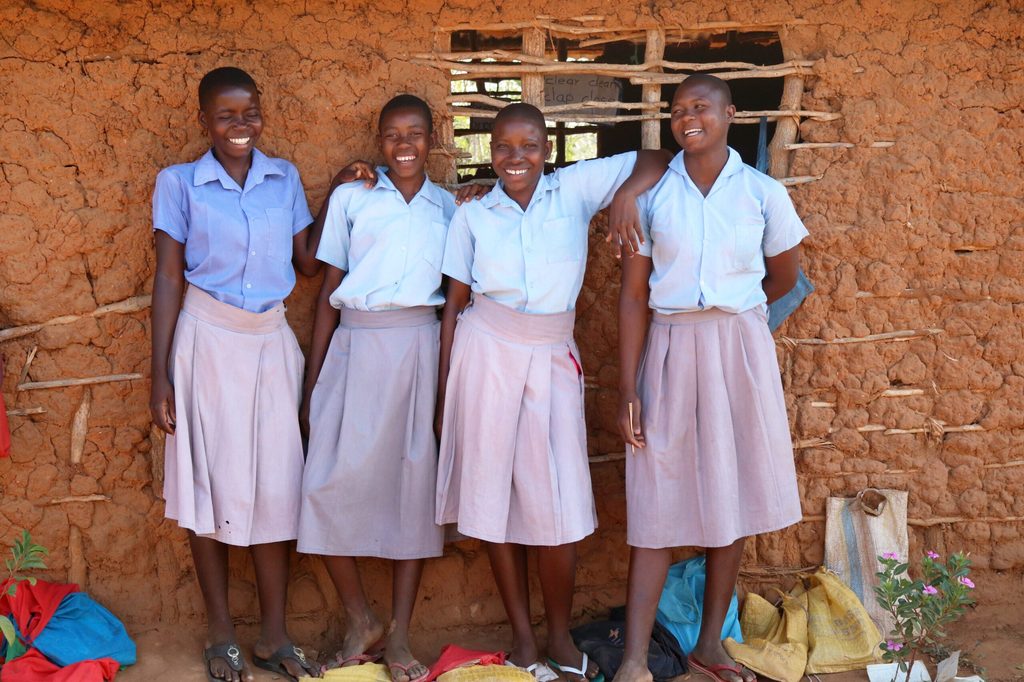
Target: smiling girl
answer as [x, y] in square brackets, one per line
[371, 384]
[513, 467]
[227, 369]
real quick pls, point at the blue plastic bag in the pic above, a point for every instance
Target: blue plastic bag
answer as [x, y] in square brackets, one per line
[682, 601]
[82, 629]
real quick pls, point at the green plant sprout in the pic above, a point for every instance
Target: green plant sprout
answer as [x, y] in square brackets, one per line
[921, 609]
[25, 555]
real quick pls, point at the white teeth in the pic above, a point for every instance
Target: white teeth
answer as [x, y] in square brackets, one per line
[404, 159]
[239, 140]
[692, 132]
[516, 172]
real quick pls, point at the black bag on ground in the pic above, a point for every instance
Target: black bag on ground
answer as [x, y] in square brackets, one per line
[605, 642]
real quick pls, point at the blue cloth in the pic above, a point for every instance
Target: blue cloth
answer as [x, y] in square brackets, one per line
[82, 629]
[785, 306]
[238, 241]
[682, 602]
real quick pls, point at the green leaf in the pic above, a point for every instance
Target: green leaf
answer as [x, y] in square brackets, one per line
[7, 628]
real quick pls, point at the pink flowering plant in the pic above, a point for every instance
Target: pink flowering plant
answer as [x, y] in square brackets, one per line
[921, 608]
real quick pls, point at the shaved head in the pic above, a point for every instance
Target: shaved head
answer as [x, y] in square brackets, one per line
[522, 112]
[715, 83]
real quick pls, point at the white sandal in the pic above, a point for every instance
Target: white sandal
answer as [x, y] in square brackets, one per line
[540, 671]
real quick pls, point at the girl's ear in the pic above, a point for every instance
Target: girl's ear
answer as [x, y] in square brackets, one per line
[202, 121]
[730, 111]
[548, 147]
[433, 139]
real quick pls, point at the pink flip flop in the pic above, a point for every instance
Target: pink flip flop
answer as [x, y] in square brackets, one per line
[404, 669]
[713, 671]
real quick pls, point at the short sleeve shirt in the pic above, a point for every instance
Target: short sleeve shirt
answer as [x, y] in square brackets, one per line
[390, 250]
[708, 252]
[238, 240]
[533, 260]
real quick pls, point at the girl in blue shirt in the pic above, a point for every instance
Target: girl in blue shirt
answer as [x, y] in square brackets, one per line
[226, 368]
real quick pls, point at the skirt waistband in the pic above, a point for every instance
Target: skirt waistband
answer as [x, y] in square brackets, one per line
[386, 319]
[206, 308]
[699, 316]
[534, 329]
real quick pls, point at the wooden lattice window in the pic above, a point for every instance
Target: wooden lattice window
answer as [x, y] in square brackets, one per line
[605, 89]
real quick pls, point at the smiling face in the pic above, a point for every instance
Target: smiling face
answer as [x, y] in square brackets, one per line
[233, 119]
[405, 142]
[519, 147]
[701, 114]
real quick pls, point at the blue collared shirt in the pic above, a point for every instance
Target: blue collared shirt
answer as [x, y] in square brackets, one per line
[533, 260]
[238, 241]
[390, 250]
[709, 252]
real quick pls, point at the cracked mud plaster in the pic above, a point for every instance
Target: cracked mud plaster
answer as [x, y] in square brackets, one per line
[929, 233]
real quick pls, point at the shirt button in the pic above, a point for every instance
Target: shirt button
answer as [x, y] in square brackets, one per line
[252, 253]
[248, 285]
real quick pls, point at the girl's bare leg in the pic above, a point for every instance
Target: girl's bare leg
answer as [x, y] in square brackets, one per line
[508, 564]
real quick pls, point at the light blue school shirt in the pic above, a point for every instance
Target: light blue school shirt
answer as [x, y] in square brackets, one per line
[390, 250]
[533, 260]
[709, 252]
[238, 241]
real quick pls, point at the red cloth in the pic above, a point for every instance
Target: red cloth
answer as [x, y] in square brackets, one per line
[33, 606]
[32, 666]
[453, 656]
[5, 428]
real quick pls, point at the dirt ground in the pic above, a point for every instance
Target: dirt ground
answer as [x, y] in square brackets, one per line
[990, 639]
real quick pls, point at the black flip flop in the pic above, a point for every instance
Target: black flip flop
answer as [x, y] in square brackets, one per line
[229, 652]
[275, 662]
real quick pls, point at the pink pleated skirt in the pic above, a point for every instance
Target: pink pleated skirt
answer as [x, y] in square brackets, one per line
[718, 464]
[368, 487]
[233, 468]
[513, 465]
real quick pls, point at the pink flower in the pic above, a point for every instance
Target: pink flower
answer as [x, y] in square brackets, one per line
[928, 589]
[892, 645]
[964, 580]
[932, 555]
[889, 555]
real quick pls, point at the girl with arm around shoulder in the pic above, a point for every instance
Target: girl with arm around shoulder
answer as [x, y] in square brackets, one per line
[702, 407]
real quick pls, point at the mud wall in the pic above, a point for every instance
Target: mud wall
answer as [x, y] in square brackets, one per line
[925, 236]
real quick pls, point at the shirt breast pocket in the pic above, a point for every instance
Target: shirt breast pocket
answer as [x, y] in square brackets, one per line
[433, 248]
[279, 234]
[561, 243]
[747, 253]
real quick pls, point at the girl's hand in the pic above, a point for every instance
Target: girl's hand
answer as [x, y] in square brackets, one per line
[624, 223]
[630, 423]
[468, 192]
[357, 170]
[161, 405]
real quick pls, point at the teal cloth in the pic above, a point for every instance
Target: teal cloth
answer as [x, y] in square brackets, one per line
[682, 602]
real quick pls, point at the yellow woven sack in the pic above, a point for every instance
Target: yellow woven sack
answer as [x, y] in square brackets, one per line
[368, 672]
[775, 644]
[841, 635]
[486, 673]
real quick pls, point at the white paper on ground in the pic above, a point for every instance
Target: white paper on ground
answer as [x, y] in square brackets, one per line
[948, 668]
[884, 672]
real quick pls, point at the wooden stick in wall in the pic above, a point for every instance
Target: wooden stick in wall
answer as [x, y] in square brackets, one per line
[25, 411]
[86, 381]
[786, 129]
[650, 131]
[568, 29]
[445, 124]
[129, 305]
[76, 557]
[533, 83]
[80, 427]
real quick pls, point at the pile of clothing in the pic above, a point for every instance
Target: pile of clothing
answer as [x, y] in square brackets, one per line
[63, 635]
